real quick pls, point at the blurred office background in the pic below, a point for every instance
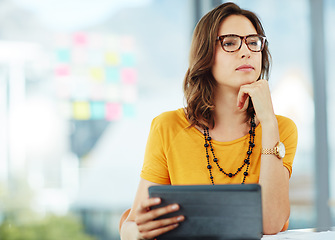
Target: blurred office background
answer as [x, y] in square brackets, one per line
[80, 82]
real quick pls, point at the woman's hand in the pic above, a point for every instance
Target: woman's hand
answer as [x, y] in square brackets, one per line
[261, 98]
[148, 227]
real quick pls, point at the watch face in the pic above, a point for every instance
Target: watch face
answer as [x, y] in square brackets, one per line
[281, 150]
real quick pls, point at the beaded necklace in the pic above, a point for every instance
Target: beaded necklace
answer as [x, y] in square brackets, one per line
[208, 144]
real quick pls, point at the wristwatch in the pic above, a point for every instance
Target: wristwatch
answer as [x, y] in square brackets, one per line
[278, 150]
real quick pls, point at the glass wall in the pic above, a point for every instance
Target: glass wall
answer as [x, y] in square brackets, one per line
[330, 76]
[292, 91]
[79, 88]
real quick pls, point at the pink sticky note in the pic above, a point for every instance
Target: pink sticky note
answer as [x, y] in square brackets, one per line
[80, 39]
[129, 75]
[62, 71]
[113, 111]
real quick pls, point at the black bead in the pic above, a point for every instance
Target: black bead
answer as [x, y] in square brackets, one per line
[208, 143]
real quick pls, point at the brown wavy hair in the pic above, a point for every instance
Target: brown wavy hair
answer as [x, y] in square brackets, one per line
[199, 83]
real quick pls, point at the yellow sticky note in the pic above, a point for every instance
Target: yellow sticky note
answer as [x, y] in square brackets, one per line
[98, 74]
[81, 110]
[112, 59]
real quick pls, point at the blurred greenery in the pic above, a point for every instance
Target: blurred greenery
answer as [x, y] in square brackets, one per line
[19, 222]
[49, 228]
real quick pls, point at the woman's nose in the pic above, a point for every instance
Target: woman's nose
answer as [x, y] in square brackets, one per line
[245, 51]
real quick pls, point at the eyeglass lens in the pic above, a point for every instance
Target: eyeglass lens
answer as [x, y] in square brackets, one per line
[233, 43]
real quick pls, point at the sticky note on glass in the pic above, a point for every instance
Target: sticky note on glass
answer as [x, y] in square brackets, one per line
[128, 59]
[128, 110]
[129, 93]
[113, 92]
[113, 111]
[63, 55]
[62, 71]
[98, 110]
[80, 39]
[97, 91]
[112, 58]
[112, 75]
[81, 110]
[98, 74]
[129, 75]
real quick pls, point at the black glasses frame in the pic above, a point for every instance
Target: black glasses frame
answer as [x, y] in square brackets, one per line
[243, 39]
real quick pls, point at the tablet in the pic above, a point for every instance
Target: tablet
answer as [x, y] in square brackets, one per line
[216, 212]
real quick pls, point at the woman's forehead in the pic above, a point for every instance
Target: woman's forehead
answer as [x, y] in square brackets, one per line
[236, 24]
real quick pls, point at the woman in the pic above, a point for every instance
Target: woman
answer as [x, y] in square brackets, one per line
[227, 133]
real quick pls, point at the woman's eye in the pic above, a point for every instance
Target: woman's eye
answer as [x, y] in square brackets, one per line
[230, 44]
[253, 43]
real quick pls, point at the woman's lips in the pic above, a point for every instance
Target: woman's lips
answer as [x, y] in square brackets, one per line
[245, 68]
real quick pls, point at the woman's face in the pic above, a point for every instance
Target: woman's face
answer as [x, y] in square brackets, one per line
[234, 69]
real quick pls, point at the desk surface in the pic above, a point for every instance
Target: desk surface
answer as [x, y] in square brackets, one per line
[301, 235]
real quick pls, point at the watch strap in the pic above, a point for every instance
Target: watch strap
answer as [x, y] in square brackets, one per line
[269, 151]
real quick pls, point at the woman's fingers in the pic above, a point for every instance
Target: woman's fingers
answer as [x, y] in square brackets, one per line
[146, 218]
[259, 93]
[145, 205]
[242, 102]
[162, 223]
[156, 232]
[155, 213]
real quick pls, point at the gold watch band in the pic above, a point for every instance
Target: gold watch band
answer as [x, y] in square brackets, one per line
[268, 151]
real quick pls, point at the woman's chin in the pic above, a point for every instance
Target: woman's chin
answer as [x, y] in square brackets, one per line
[247, 81]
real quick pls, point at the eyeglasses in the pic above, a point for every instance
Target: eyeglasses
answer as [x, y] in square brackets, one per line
[233, 43]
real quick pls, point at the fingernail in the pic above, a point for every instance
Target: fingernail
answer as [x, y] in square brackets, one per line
[181, 218]
[174, 207]
[157, 200]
